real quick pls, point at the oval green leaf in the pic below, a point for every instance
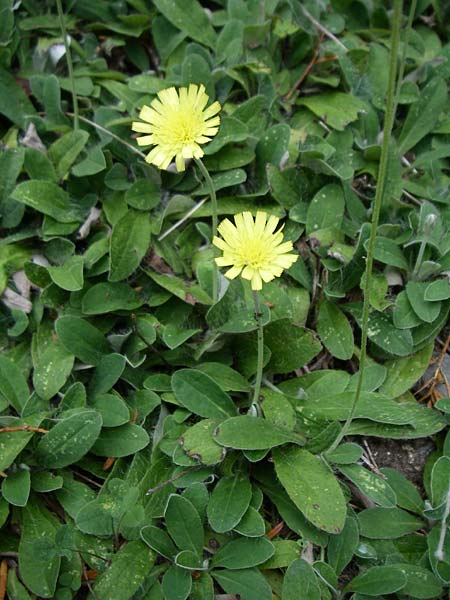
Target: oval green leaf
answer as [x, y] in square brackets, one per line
[312, 487]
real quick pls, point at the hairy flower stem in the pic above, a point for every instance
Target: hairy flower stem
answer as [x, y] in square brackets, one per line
[388, 124]
[259, 365]
[419, 259]
[76, 122]
[212, 192]
[439, 554]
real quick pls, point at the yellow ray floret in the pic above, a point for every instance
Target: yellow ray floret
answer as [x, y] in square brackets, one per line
[176, 123]
[253, 249]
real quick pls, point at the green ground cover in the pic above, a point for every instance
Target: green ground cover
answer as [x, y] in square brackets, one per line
[160, 438]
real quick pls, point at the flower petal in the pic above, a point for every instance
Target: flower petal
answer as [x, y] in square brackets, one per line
[211, 110]
[248, 272]
[233, 272]
[179, 162]
[141, 127]
[256, 282]
[145, 140]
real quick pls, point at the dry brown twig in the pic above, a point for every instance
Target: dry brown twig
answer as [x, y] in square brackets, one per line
[3, 578]
[23, 428]
[307, 70]
[433, 395]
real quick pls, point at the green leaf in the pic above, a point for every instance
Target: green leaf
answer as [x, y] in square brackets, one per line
[326, 209]
[188, 560]
[159, 541]
[134, 558]
[82, 339]
[15, 589]
[63, 153]
[179, 288]
[44, 481]
[292, 346]
[345, 454]
[404, 316]
[252, 433]
[184, 525]
[370, 484]
[176, 583]
[230, 157]
[144, 194]
[121, 441]
[12, 384]
[74, 495]
[389, 253]
[48, 198]
[242, 553]
[300, 582]
[52, 368]
[371, 406]
[200, 394]
[93, 163]
[198, 443]
[4, 511]
[251, 525]
[277, 409]
[11, 164]
[285, 185]
[39, 573]
[424, 422]
[312, 487]
[16, 487]
[440, 481]
[130, 241]
[106, 373]
[420, 582]
[235, 312]
[15, 441]
[425, 310]
[202, 588]
[69, 276]
[229, 502]
[403, 373]
[439, 564]
[112, 408]
[376, 581]
[387, 523]
[335, 108]
[437, 290]
[14, 103]
[423, 114]
[286, 551]
[107, 297]
[341, 547]
[382, 332]
[231, 130]
[289, 512]
[69, 440]
[189, 17]
[335, 331]
[225, 376]
[407, 495]
[249, 584]
[222, 180]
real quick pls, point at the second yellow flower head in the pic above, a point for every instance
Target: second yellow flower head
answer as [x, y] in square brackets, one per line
[253, 249]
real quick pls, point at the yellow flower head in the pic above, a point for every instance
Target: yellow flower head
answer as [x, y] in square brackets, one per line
[177, 123]
[253, 249]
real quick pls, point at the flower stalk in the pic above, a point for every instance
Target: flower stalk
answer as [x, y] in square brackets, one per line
[76, 122]
[212, 193]
[260, 359]
[382, 173]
